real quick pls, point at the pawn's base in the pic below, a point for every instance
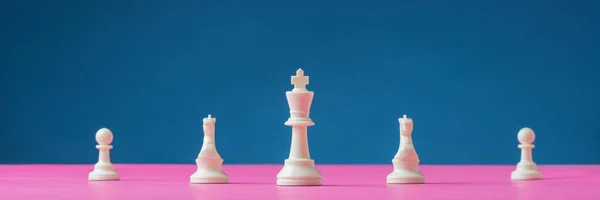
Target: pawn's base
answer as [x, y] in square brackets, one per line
[104, 175]
[525, 174]
[209, 177]
[299, 172]
[405, 177]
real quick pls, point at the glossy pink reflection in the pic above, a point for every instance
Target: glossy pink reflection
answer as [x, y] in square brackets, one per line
[29, 182]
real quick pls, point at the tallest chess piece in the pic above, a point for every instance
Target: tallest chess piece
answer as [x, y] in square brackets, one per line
[406, 161]
[299, 168]
[526, 168]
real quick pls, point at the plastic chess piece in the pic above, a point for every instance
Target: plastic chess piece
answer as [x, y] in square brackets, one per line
[526, 168]
[406, 160]
[299, 169]
[104, 169]
[209, 162]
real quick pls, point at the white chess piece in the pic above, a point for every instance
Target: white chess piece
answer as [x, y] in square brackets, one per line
[299, 168]
[209, 162]
[406, 160]
[104, 169]
[526, 168]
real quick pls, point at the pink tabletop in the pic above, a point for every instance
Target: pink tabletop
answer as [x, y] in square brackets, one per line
[49, 182]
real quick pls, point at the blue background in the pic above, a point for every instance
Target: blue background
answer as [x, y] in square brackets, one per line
[469, 73]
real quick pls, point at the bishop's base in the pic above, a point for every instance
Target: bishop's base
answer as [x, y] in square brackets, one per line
[405, 177]
[104, 175]
[525, 174]
[299, 172]
[209, 177]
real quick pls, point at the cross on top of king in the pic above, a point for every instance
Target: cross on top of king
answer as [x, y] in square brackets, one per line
[299, 81]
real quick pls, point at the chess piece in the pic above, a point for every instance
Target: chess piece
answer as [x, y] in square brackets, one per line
[104, 169]
[209, 162]
[299, 168]
[526, 168]
[406, 160]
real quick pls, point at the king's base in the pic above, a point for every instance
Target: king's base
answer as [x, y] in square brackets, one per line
[103, 175]
[209, 177]
[525, 174]
[299, 172]
[405, 177]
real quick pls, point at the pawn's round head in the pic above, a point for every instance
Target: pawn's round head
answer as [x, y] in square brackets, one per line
[526, 136]
[104, 136]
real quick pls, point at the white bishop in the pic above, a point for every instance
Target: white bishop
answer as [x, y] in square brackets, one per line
[406, 161]
[209, 162]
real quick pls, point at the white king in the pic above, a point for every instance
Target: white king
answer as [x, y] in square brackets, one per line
[299, 168]
[406, 161]
[209, 162]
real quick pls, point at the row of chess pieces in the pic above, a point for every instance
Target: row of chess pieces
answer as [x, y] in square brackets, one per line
[405, 162]
[299, 168]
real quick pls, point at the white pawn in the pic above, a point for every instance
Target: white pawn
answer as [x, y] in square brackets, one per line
[526, 168]
[209, 162]
[406, 161]
[104, 170]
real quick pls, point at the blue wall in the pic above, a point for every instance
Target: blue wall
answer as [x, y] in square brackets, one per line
[469, 73]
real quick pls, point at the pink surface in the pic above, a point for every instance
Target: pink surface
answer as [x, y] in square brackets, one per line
[49, 182]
